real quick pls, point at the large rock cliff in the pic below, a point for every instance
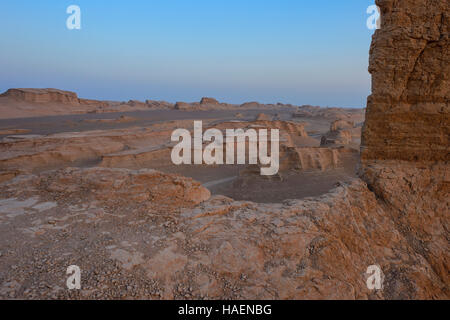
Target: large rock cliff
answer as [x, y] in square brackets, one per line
[405, 142]
[408, 111]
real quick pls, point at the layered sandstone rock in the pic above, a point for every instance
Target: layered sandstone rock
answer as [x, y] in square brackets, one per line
[45, 96]
[121, 147]
[182, 106]
[42, 95]
[341, 125]
[408, 111]
[149, 227]
[250, 105]
[263, 117]
[210, 101]
[159, 104]
[137, 103]
[142, 186]
[343, 133]
[405, 147]
[20, 103]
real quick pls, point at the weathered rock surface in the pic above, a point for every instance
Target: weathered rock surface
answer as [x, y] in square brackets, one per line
[342, 133]
[42, 95]
[121, 146]
[143, 186]
[263, 117]
[405, 146]
[182, 106]
[147, 235]
[210, 101]
[50, 96]
[408, 111]
[17, 103]
[310, 249]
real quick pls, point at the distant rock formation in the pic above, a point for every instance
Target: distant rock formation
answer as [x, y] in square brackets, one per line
[182, 106]
[42, 95]
[263, 117]
[210, 101]
[50, 96]
[159, 104]
[250, 105]
[137, 103]
[342, 132]
[341, 125]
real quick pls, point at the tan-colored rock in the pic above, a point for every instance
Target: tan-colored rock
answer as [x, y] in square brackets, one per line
[341, 125]
[182, 106]
[137, 103]
[342, 133]
[148, 235]
[263, 117]
[42, 95]
[250, 105]
[405, 146]
[209, 101]
[14, 131]
[408, 111]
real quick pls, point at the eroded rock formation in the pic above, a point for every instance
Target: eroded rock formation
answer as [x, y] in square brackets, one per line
[342, 133]
[405, 142]
[149, 235]
[408, 111]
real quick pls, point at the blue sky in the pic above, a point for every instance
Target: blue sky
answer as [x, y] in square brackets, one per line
[293, 51]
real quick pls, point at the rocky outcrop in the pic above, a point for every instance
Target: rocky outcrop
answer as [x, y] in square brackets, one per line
[209, 101]
[417, 199]
[143, 228]
[334, 114]
[42, 95]
[148, 235]
[342, 133]
[50, 96]
[20, 103]
[159, 104]
[341, 125]
[405, 146]
[250, 105]
[408, 110]
[182, 106]
[124, 185]
[137, 103]
[263, 117]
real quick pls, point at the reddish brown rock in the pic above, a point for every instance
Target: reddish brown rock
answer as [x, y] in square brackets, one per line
[209, 101]
[408, 111]
[182, 106]
[148, 235]
[42, 95]
[405, 146]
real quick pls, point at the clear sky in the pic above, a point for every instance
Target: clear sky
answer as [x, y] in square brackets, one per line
[293, 51]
